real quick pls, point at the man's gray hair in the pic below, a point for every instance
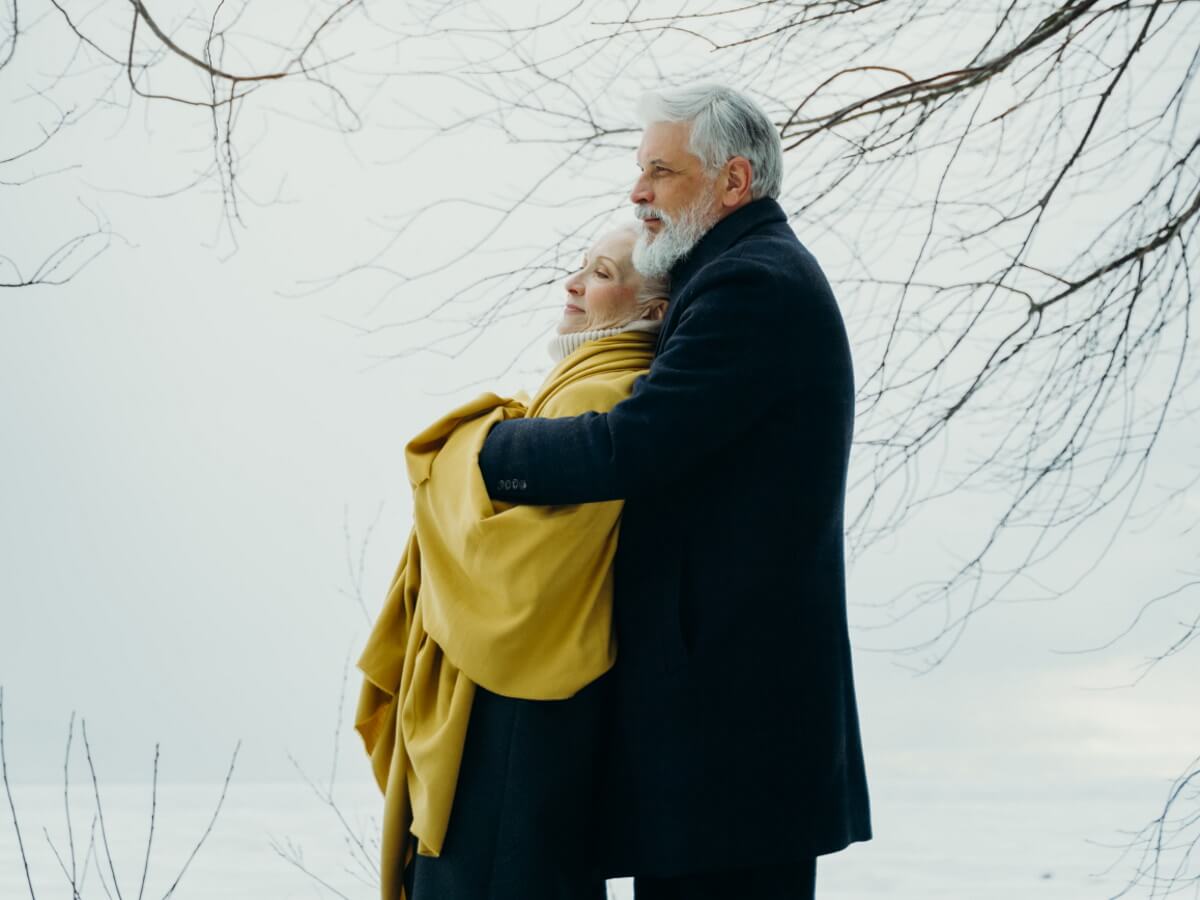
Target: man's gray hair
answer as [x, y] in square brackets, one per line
[725, 123]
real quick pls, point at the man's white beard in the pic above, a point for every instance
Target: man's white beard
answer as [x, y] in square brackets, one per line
[654, 255]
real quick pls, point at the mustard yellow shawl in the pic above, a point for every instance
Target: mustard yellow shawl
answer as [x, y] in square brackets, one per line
[517, 599]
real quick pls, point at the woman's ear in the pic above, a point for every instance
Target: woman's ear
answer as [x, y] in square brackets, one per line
[655, 310]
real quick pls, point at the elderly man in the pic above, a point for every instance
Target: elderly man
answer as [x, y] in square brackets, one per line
[734, 756]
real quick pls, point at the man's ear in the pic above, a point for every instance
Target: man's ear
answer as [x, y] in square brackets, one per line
[737, 182]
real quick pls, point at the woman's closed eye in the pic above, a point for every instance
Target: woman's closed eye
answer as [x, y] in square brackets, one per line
[600, 269]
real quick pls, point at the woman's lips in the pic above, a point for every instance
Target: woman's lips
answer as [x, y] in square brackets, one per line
[572, 308]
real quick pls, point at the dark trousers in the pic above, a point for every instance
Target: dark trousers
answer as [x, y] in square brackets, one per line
[788, 882]
[521, 824]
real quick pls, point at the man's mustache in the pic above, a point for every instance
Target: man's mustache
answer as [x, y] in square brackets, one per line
[645, 211]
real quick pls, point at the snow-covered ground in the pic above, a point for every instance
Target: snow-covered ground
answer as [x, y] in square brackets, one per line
[936, 838]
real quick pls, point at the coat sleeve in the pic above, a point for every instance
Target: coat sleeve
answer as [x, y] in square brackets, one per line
[722, 368]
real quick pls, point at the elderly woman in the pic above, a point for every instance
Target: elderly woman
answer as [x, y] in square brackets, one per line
[481, 703]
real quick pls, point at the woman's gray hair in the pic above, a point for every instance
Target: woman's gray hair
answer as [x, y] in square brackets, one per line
[725, 123]
[653, 289]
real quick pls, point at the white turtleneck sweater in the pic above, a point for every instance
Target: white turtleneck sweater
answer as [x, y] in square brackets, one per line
[562, 345]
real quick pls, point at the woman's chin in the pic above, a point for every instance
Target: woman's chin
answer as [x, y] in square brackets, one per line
[569, 326]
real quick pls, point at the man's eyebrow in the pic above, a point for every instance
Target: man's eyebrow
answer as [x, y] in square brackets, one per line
[657, 161]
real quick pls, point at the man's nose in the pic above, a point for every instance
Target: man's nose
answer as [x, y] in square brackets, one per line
[641, 192]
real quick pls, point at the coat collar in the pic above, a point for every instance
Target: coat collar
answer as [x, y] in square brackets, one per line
[722, 236]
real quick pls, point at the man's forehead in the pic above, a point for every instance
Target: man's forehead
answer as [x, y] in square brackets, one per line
[664, 142]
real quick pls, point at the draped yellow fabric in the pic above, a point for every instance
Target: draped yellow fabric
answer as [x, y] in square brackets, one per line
[517, 599]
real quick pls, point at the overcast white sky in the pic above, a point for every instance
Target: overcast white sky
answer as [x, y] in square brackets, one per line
[188, 449]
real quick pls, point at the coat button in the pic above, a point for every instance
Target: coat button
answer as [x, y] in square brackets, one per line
[523, 484]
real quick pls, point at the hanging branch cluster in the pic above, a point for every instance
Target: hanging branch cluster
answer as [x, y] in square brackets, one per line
[211, 60]
[8, 38]
[1065, 357]
[176, 57]
[65, 261]
[1163, 850]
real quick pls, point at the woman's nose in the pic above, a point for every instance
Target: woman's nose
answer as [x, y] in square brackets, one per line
[574, 286]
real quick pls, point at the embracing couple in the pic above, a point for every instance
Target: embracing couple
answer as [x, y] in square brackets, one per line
[616, 642]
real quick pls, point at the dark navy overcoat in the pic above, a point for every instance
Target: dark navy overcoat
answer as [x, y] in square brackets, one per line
[734, 737]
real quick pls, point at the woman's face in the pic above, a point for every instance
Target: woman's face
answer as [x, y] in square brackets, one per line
[603, 292]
